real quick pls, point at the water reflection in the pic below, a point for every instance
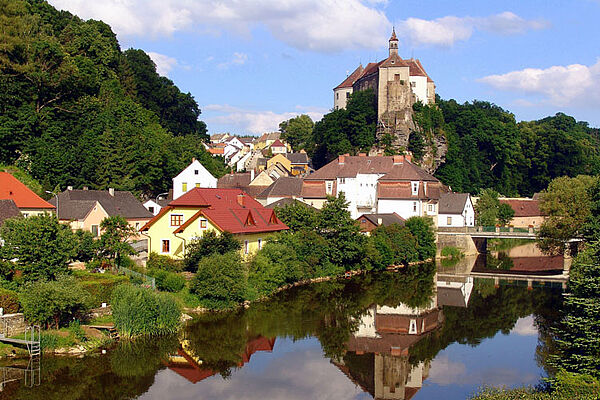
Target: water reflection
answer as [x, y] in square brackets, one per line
[386, 335]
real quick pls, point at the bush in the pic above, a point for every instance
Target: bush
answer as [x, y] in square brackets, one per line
[9, 301]
[220, 281]
[208, 244]
[140, 311]
[157, 261]
[452, 252]
[167, 281]
[99, 286]
[87, 246]
[395, 244]
[274, 266]
[423, 231]
[54, 302]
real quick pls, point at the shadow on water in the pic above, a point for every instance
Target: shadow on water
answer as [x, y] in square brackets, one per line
[382, 330]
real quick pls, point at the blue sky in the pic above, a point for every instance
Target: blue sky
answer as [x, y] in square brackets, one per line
[252, 63]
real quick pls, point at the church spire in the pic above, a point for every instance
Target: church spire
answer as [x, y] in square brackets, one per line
[393, 43]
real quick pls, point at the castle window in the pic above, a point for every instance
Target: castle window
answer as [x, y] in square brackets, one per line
[347, 95]
[337, 96]
[396, 77]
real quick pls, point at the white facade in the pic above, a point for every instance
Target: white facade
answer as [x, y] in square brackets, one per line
[466, 218]
[340, 97]
[404, 208]
[152, 206]
[360, 192]
[418, 85]
[241, 164]
[195, 175]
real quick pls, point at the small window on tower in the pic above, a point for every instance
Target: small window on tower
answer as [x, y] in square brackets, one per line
[347, 95]
[337, 96]
[396, 77]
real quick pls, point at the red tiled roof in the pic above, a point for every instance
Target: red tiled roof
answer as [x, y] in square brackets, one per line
[219, 150]
[277, 143]
[222, 207]
[524, 208]
[12, 189]
[349, 81]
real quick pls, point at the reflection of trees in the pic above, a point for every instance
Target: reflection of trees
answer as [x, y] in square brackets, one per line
[486, 316]
[142, 356]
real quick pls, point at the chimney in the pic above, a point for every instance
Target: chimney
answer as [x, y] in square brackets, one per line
[408, 158]
[379, 221]
[341, 159]
[193, 159]
[251, 174]
[111, 191]
[69, 187]
[240, 200]
[398, 160]
[85, 188]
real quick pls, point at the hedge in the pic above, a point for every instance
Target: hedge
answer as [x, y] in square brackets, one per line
[9, 301]
[100, 286]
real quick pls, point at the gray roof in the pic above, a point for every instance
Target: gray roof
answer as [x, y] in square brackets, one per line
[76, 204]
[386, 219]
[285, 186]
[297, 158]
[8, 209]
[287, 201]
[452, 203]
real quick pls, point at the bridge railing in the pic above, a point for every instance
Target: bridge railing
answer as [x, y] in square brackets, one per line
[500, 230]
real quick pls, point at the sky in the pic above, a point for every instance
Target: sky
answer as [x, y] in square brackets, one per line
[251, 64]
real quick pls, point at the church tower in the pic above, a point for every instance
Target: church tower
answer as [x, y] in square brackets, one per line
[393, 43]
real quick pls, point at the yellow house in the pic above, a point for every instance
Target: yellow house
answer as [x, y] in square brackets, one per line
[279, 159]
[210, 209]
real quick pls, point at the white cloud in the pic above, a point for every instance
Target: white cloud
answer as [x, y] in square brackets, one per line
[256, 122]
[164, 63]
[318, 25]
[525, 327]
[448, 30]
[564, 86]
[238, 59]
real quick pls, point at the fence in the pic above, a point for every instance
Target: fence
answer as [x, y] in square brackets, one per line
[145, 279]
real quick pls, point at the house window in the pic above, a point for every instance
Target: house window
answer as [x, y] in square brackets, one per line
[396, 77]
[166, 246]
[151, 209]
[176, 219]
[95, 230]
[25, 215]
[430, 207]
[449, 221]
[412, 329]
[137, 226]
[259, 244]
[414, 206]
[415, 188]
[347, 95]
[246, 247]
[329, 187]
[195, 172]
[197, 185]
[337, 96]
[342, 180]
[202, 224]
[184, 187]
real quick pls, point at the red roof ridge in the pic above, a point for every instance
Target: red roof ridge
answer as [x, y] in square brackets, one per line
[13, 189]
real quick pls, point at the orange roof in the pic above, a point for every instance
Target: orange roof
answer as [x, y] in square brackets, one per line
[12, 189]
[219, 150]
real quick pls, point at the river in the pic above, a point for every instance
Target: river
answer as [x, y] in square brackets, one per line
[424, 332]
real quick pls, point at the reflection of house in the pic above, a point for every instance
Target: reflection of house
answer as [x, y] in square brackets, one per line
[85, 209]
[190, 367]
[24, 198]
[207, 209]
[368, 222]
[454, 290]
[378, 352]
[527, 212]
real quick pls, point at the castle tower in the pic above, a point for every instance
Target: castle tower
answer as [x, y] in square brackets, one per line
[393, 43]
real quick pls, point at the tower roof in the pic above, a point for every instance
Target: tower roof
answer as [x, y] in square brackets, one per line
[393, 37]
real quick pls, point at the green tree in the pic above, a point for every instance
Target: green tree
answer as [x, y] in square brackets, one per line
[395, 244]
[221, 280]
[116, 232]
[209, 243]
[298, 215]
[567, 204]
[486, 209]
[40, 246]
[505, 214]
[423, 231]
[297, 131]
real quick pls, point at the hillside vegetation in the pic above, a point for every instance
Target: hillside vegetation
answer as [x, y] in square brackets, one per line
[76, 110]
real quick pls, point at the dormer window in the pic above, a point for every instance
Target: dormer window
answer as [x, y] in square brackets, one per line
[415, 188]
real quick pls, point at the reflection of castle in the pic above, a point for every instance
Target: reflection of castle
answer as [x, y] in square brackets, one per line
[191, 369]
[377, 357]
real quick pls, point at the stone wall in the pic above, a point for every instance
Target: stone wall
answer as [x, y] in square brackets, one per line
[12, 324]
[463, 242]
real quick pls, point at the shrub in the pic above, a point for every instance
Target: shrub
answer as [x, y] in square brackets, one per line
[87, 246]
[395, 244]
[274, 266]
[9, 301]
[220, 281]
[208, 244]
[423, 231]
[54, 302]
[158, 261]
[452, 252]
[99, 286]
[167, 281]
[140, 311]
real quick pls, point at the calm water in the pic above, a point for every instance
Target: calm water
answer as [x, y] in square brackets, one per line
[417, 333]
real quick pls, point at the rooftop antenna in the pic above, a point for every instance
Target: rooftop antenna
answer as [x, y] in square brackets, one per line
[412, 54]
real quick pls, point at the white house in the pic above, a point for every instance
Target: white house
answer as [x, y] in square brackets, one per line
[241, 163]
[193, 176]
[455, 210]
